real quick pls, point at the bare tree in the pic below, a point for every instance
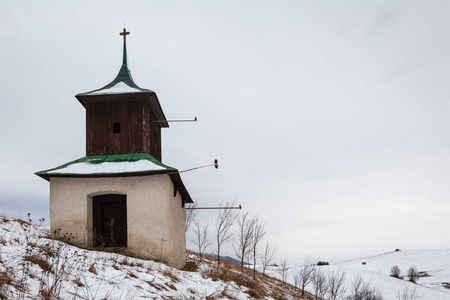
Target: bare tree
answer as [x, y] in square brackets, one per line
[335, 284]
[303, 274]
[319, 281]
[223, 223]
[395, 272]
[201, 237]
[407, 294]
[413, 274]
[362, 290]
[267, 257]
[258, 233]
[283, 270]
[244, 237]
[189, 215]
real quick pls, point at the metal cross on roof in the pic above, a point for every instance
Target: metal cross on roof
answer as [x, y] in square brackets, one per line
[124, 33]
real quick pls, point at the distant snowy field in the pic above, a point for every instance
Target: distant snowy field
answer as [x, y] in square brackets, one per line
[436, 263]
[377, 270]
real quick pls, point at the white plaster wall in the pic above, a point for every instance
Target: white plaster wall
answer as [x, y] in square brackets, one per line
[155, 219]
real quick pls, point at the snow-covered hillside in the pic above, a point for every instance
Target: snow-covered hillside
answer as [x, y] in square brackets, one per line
[35, 267]
[433, 265]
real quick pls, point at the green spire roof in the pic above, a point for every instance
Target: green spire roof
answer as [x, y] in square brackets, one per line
[123, 83]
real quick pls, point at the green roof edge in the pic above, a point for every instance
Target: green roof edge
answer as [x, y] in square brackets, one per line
[110, 158]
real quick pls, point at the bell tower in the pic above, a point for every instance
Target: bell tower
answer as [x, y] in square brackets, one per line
[120, 194]
[121, 117]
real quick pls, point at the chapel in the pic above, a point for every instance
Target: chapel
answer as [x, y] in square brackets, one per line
[121, 195]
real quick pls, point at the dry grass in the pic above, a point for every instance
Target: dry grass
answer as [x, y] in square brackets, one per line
[138, 263]
[169, 273]
[46, 294]
[171, 286]
[154, 285]
[92, 269]
[47, 250]
[234, 279]
[41, 262]
[191, 266]
[262, 286]
[78, 282]
[5, 281]
[32, 244]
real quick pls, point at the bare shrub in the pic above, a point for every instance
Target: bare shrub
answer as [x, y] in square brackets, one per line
[258, 233]
[407, 294]
[362, 290]
[267, 256]
[201, 237]
[413, 274]
[190, 213]
[303, 273]
[244, 234]
[283, 270]
[335, 284]
[395, 272]
[26, 264]
[319, 281]
[224, 221]
[62, 266]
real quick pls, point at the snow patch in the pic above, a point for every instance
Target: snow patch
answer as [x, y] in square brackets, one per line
[119, 88]
[108, 167]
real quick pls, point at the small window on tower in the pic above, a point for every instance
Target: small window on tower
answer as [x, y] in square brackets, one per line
[116, 127]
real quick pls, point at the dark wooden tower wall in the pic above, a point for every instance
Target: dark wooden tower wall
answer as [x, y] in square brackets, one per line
[122, 123]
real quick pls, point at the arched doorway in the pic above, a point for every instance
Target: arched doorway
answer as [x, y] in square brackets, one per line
[109, 212]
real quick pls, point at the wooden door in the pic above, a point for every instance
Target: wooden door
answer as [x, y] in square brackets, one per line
[110, 220]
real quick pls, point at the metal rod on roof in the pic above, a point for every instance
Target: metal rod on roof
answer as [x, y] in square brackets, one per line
[219, 207]
[215, 164]
[163, 121]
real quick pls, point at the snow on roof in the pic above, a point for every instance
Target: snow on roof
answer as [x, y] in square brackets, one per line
[109, 164]
[119, 88]
[109, 167]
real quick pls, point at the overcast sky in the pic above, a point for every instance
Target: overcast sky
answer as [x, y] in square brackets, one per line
[330, 119]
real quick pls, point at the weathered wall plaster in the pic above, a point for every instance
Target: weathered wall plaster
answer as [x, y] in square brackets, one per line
[155, 218]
